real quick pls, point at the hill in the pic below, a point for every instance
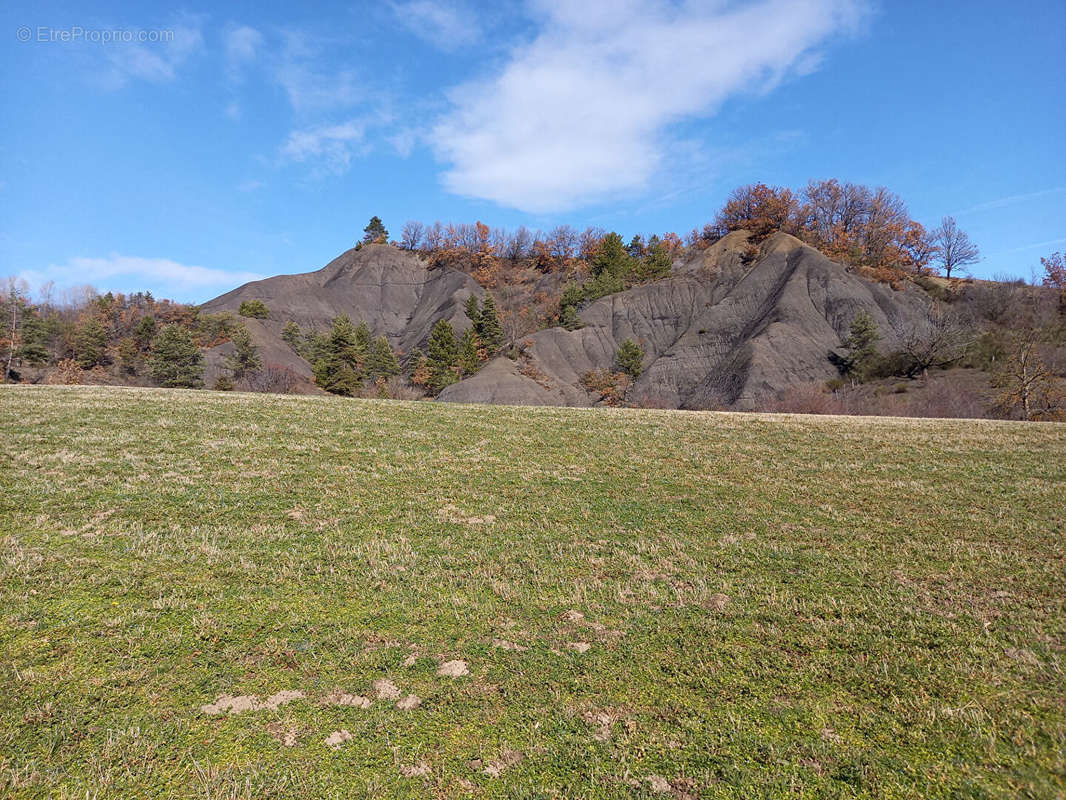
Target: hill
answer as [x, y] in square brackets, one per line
[724, 329]
[226, 595]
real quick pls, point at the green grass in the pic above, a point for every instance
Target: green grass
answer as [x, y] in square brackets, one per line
[774, 606]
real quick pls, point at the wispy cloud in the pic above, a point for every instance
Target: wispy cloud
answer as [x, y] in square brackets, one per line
[329, 147]
[583, 112]
[446, 26]
[1010, 200]
[310, 87]
[242, 45]
[156, 62]
[125, 273]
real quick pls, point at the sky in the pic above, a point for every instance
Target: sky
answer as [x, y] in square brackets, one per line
[188, 151]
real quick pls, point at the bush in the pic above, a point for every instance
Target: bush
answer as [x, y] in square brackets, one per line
[630, 359]
[176, 361]
[253, 308]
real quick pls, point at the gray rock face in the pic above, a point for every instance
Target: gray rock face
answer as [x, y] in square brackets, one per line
[720, 332]
[390, 289]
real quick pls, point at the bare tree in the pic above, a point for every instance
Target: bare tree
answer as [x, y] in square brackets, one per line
[1027, 380]
[936, 339]
[954, 250]
[411, 237]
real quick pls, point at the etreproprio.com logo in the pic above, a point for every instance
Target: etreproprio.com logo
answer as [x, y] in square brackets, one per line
[76, 33]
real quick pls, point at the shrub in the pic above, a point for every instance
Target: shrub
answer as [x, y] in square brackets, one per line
[176, 361]
[630, 359]
[253, 308]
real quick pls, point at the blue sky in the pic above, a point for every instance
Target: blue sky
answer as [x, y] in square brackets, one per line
[261, 137]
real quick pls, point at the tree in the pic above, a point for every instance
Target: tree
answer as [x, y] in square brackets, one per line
[90, 343]
[758, 209]
[1055, 275]
[362, 336]
[489, 329]
[340, 369]
[145, 331]
[128, 355]
[657, 263]
[381, 361]
[255, 309]
[244, 361]
[375, 232]
[176, 361]
[861, 344]
[936, 339]
[473, 313]
[34, 340]
[411, 237]
[443, 356]
[610, 267]
[1028, 385]
[954, 250]
[469, 360]
[630, 359]
[292, 335]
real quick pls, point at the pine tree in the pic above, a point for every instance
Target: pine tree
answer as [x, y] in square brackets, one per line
[35, 335]
[861, 344]
[489, 330]
[90, 343]
[145, 331]
[610, 267]
[381, 361]
[657, 263]
[472, 312]
[340, 370]
[292, 335]
[375, 231]
[630, 359]
[128, 355]
[362, 336]
[469, 362]
[244, 361]
[176, 361]
[443, 356]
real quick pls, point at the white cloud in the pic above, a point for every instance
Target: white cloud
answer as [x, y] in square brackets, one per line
[157, 62]
[446, 26]
[242, 47]
[309, 88]
[128, 273]
[331, 146]
[583, 111]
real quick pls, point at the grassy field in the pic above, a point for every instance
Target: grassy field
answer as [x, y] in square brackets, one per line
[222, 595]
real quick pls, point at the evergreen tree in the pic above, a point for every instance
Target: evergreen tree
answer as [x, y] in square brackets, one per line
[244, 360]
[861, 344]
[489, 329]
[90, 343]
[657, 263]
[145, 331]
[611, 257]
[315, 347]
[35, 336]
[472, 312]
[381, 361]
[292, 335]
[253, 308]
[569, 319]
[176, 361]
[375, 231]
[630, 359]
[340, 371]
[443, 356]
[128, 355]
[469, 362]
[362, 336]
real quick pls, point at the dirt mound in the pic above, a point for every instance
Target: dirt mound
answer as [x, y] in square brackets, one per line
[391, 289]
[729, 328]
